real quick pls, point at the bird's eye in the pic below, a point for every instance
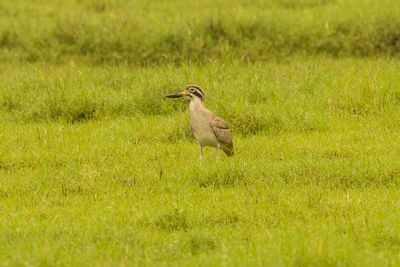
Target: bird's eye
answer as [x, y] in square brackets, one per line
[192, 90]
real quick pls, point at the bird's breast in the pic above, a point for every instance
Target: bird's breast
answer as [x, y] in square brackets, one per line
[200, 123]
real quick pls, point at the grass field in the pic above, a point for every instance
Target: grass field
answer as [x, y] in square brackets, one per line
[98, 168]
[144, 32]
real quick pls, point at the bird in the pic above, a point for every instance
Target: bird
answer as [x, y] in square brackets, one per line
[206, 127]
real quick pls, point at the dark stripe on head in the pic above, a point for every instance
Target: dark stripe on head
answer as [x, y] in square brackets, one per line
[192, 85]
[198, 93]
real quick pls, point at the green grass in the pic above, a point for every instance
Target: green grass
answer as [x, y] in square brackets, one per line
[152, 32]
[98, 168]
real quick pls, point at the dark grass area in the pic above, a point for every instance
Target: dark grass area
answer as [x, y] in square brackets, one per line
[112, 32]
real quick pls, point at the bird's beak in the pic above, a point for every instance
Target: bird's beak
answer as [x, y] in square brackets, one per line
[183, 93]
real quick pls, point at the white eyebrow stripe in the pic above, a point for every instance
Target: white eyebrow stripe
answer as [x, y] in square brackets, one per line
[198, 91]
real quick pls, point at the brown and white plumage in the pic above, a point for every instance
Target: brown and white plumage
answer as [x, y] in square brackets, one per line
[223, 134]
[206, 127]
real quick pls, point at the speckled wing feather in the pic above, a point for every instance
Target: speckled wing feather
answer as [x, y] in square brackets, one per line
[223, 134]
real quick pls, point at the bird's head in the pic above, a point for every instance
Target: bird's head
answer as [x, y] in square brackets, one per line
[192, 91]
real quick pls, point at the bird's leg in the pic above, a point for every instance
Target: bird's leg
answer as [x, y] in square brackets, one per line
[201, 153]
[217, 158]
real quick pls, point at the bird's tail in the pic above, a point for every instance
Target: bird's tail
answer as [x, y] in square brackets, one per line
[228, 150]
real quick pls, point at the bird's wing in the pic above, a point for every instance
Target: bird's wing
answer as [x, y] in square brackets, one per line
[223, 134]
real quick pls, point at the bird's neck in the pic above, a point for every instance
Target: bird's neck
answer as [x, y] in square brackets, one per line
[196, 103]
[196, 106]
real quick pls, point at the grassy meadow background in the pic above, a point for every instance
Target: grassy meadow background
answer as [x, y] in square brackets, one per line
[98, 168]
